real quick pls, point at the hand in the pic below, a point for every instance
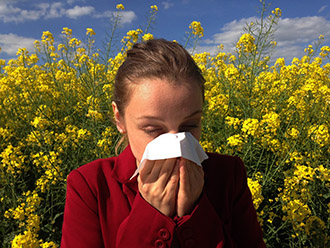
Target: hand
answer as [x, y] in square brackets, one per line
[158, 184]
[190, 186]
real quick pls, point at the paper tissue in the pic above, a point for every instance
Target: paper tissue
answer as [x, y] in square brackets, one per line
[173, 145]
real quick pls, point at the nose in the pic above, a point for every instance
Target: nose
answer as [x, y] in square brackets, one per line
[176, 130]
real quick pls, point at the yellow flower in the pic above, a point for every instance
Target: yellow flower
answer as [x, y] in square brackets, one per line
[39, 122]
[154, 7]
[2, 62]
[28, 239]
[325, 51]
[120, 7]
[74, 42]
[67, 31]
[273, 113]
[297, 211]
[90, 31]
[319, 134]
[131, 37]
[323, 174]
[314, 225]
[48, 245]
[246, 44]
[235, 141]
[207, 146]
[271, 122]
[250, 126]
[197, 29]
[47, 37]
[293, 133]
[277, 12]
[232, 58]
[19, 213]
[232, 121]
[147, 37]
[256, 191]
[309, 50]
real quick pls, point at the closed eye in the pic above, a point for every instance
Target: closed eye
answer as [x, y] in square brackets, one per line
[152, 130]
[186, 128]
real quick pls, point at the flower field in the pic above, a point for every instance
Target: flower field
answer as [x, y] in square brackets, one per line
[55, 115]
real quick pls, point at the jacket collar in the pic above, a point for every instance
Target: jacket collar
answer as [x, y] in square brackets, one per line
[125, 166]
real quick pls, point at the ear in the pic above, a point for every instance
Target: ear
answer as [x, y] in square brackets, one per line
[118, 118]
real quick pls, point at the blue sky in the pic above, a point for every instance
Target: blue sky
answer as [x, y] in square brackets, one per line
[23, 21]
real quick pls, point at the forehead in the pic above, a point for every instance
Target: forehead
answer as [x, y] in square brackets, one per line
[159, 96]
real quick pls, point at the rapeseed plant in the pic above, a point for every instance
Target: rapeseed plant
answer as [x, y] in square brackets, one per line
[55, 115]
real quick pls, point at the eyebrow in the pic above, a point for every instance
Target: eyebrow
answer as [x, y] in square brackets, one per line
[150, 117]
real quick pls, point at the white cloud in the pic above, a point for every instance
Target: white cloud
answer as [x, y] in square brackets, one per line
[288, 53]
[167, 4]
[231, 32]
[10, 43]
[74, 1]
[209, 49]
[70, 1]
[78, 11]
[292, 35]
[9, 13]
[54, 10]
[301, 30]
[127, 17]
[322, 8]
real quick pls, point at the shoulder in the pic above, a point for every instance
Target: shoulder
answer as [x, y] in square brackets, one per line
[98, 166]
[92, 174]
[107, 171]
[224, 171]
[225, 179]
[224, 163]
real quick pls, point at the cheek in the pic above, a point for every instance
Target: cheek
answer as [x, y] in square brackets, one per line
[137, 143]
[135, 139]
[197, 133]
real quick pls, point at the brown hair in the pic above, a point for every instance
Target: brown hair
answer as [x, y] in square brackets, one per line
[156, 58]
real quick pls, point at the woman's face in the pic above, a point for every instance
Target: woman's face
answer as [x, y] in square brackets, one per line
[156, 107]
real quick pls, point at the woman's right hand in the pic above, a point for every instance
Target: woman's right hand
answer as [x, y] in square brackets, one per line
[158, 184]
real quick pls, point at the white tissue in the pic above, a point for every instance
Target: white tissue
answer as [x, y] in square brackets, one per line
[171, 145]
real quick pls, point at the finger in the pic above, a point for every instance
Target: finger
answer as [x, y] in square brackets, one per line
[168, 171]
[184, 178]
[194, 169]
[196, 176]
[191, 175]
[173, 180]
[154, 170]
[168, 166]
[147, 167]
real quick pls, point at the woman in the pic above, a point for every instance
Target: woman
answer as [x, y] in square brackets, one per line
[172, 202]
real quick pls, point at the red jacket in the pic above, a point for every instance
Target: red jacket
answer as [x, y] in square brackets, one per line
[104, 209]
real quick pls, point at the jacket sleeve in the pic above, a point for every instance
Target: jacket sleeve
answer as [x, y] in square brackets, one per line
[204, 228]
[145, 227]
[81, 227]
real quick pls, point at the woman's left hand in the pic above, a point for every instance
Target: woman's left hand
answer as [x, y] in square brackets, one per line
[190, 188]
